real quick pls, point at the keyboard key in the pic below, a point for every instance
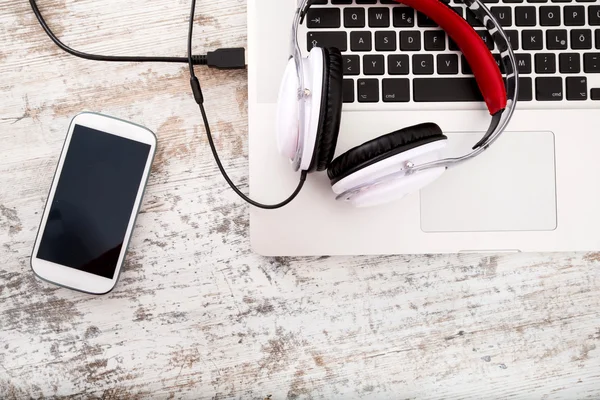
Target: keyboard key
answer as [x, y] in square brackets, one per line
[591, 62]
[581, 39]
[368, 90]
[398, 64]
[545, 63]
[595, 95]
[404, 17]
[523, 63]
[550, 16]
[577, 88]
[361, 41]
[373, 64]
[487, 39]
[513, 39]
[574, 15]
[354, 18]
[396, 90]
[503, 15]
[447, 64]
[327, 39]
[525, 16]
[446, 90]
[385, 41]
[569, 63]
[323, 18]
[351, 64]
[410, 40]
[548, 89]
[594, 15]
[424, 21]
[379, 17]
[499, 62]
[533, 40]
[472, 19]
[556, 39]
[525, 89]
[435, 40]
[348, 91]
[422, 64]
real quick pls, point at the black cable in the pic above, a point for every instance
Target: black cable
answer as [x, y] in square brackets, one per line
[196, 89]
[198, 60]
[233, 186]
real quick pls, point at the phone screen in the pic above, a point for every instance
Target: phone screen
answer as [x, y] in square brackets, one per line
[94, 201]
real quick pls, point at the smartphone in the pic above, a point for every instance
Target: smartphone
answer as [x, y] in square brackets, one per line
[94, 199]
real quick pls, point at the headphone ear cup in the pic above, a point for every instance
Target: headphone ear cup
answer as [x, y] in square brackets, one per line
[287, 124]
[382, 148]
[384, 156]
[331, 110]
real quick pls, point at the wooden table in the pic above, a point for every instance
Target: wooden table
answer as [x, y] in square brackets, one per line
[196, 314]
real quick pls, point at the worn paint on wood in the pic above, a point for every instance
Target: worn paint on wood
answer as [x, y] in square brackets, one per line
[196, 314]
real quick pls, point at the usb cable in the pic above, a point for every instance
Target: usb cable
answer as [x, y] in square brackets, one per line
[228, 58]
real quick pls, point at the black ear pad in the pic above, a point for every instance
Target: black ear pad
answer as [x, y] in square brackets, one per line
[331, 111]
[381, 148]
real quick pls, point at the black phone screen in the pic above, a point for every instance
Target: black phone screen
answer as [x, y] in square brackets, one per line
[94, 201]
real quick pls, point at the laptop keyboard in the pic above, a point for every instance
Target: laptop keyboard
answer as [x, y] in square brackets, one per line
[393, 54]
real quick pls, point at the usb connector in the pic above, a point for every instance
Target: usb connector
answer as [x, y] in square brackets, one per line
[227, 58]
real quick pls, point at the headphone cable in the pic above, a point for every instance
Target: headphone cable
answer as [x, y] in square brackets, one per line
[197, 91]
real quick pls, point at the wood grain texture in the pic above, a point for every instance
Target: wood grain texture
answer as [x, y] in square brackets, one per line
[196, 314]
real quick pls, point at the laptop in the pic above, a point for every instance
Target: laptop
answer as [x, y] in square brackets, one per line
[534, 190]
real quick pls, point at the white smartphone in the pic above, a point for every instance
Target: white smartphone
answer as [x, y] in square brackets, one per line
[93, 203]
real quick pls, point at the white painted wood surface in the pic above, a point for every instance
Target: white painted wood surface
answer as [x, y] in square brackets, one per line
[196, 314]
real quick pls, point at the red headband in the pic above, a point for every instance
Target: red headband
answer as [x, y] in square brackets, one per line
[484, 67]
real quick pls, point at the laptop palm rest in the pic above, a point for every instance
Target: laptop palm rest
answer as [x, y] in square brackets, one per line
[511, 187]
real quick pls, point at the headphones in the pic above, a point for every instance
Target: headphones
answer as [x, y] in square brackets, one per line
[392, 166]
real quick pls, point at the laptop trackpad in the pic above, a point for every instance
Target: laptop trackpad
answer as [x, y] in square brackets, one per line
[510, 187]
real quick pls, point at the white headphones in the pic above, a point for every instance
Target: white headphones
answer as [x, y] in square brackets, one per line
[389, 167]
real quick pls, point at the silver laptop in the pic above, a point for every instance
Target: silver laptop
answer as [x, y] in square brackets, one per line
[536, 189]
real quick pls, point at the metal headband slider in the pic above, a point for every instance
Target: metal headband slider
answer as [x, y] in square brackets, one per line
[305, 10]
